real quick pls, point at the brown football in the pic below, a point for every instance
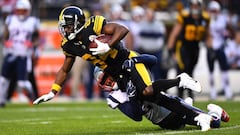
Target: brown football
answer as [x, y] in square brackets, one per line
[102, 38]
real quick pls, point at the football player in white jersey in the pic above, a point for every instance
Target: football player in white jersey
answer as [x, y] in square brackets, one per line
[218, 32]
[134, 108]
[20, 29]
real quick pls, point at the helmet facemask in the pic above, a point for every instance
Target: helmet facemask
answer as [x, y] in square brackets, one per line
[22, 9]
[71, 18]
[196, 7]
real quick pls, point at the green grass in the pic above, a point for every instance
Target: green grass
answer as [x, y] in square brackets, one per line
[95, 118]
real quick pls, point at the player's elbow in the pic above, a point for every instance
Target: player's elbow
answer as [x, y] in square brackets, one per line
[123, 30]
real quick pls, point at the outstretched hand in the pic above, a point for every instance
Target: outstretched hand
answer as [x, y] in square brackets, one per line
[44, 98]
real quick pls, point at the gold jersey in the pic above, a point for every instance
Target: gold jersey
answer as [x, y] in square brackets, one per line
[193, 30]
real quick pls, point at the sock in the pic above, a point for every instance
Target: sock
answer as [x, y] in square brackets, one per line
[213, 92]
[164, 84]
[4, 84]
[226, 87]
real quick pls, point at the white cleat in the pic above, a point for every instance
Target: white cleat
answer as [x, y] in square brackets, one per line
[203, 120]
[219, 111]
[188, 82]
[189, 101]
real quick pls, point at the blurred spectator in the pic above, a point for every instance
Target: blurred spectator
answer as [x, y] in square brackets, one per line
[7, 7]
[79, 68]
[20, 31]
[233, 18]
[151, 41]
[188, 31]
[137, 14]
[218, 33]
[232, 51]
[118, 15]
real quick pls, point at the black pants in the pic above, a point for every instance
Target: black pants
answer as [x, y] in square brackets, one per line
[187, 58]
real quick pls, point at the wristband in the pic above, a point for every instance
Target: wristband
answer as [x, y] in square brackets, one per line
[56, 87]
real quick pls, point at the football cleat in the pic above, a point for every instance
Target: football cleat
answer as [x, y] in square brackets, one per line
[203, 120]
[189, 101]
[188, 82]
[212, 108]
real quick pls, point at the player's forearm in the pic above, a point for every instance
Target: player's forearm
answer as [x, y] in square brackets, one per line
[58, 83]
[119, 34]
[117, 31]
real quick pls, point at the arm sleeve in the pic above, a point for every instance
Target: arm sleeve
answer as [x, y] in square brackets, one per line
[146, 59]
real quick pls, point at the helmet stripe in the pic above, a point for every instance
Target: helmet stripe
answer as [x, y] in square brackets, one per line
[61, 15]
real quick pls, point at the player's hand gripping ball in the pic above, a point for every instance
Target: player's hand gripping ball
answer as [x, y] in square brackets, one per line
[99, 44]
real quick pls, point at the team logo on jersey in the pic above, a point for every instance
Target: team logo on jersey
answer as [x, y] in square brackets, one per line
[76, 43]
[92, 37]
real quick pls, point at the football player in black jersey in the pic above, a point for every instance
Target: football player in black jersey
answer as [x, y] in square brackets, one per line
[190, 28]
[78, 34]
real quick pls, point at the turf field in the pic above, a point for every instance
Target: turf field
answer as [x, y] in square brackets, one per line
[95, 118]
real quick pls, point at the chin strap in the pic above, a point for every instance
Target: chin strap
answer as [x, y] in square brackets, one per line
[73, 35]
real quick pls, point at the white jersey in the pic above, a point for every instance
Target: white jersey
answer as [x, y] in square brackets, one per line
[218, 30]
[135, 29]
[21, 32]
[152, 35]
[232, 52]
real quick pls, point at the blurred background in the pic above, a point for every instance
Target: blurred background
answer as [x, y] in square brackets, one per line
[82, 86]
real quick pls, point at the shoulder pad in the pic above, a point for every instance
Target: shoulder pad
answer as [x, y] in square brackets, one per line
[183, 14]
[98, 24]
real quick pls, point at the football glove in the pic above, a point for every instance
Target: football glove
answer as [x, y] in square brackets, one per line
[101, 48]
[44, 98]
[106, 82]
[128, 65]
[8, 43]
[116, 97]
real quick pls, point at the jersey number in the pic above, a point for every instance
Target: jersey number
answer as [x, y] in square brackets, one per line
[193, 32]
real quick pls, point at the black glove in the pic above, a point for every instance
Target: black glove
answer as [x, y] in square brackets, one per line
[128, 65]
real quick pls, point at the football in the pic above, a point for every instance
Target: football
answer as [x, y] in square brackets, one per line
[102, 38]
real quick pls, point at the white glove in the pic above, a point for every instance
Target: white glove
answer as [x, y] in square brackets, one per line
[101, 48]
[116, 97]
[44, 98]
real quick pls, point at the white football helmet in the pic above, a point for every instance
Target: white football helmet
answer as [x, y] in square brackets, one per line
[23, 9]
[214, 5]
